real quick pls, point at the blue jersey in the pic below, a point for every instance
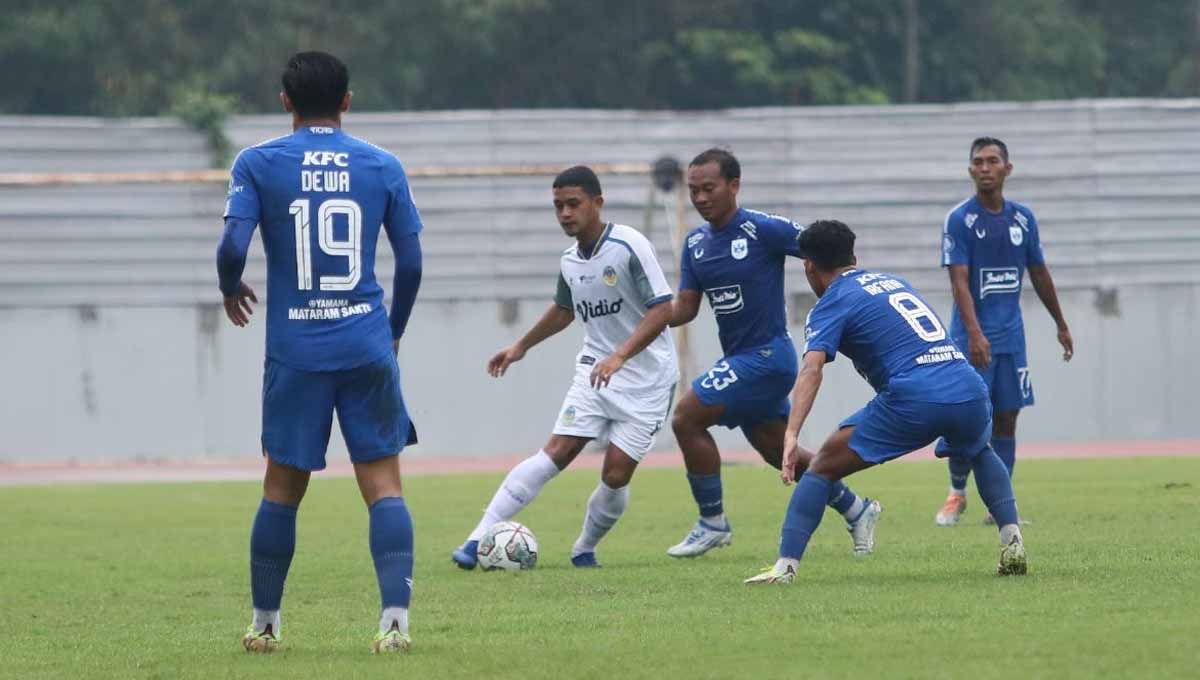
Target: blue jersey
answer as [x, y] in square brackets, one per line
[739, 267]
[893, 337]
[997, 247]
[321, 197]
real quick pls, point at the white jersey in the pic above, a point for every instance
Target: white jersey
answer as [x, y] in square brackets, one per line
[610, 289]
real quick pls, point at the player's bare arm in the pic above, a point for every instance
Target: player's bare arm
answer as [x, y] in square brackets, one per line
[649, 328]
[808, 382]
[685, 307]
[1043, 284]
[979, 349]
[553, 321]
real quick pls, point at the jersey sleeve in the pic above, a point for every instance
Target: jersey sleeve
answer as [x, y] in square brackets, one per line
[687, 277]
[954, 240]
[781, 236]
[1033, 243]
[824, 326]
[402, 217]
[648, 278]
[562, 296]
[242, 201]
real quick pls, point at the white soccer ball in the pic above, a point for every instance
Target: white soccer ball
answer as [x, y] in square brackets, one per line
[508, 545]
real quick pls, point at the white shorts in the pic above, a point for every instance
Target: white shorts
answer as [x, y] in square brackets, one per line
[627, 418]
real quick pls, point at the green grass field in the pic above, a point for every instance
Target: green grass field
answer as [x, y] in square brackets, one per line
[151, 581]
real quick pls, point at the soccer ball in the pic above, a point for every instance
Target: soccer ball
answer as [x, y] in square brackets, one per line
[509, 546]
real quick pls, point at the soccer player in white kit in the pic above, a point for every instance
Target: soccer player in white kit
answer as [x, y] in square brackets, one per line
[624, 377]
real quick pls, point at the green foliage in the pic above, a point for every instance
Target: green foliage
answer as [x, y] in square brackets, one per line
[129, 57]
[205, 111]
[150, 581]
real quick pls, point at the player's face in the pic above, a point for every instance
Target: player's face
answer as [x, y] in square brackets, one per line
[989, 169]
[713, 196]
[575, 210]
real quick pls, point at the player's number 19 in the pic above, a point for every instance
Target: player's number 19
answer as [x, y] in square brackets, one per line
[350, 248]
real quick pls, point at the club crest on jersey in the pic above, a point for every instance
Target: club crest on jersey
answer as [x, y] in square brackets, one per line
[993, 280]
[725, 299]
[1016, 235]
[609, 276]
[740, 248]
[568, 416]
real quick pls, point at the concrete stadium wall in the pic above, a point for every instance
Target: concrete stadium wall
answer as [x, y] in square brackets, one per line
[114, 346]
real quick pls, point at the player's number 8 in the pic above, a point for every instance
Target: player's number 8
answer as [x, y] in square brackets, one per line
[350, 248]
[917, 314]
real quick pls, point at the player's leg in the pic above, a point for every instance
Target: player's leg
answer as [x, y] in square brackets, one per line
[955, 504]
[606, 504]
[297, 416]
[376, 426]
[814, 490]
[581, 419]
[1011, 391]
[702, 459]
[861, 513]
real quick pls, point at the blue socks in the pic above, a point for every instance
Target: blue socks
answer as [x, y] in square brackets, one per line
[1006, 448]
[811, 495]
[392, 550]
[843, 500]
[272, 544]
[706, 489]
[960, 469]
[995, 487]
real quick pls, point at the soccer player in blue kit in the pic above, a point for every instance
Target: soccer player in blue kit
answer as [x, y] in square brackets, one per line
[988, 243]
[736, 260]
[321, 197]
[925, 389]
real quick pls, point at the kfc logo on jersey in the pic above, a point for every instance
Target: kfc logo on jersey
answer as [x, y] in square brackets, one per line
[725, 299]
[323, 158]
[999, 280]
[1016, 235]
[740, 248]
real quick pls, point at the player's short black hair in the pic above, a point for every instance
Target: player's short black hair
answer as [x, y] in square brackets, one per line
[316, 82]
[981, 142]
[829, 244]
[579, 176]
[731, 169]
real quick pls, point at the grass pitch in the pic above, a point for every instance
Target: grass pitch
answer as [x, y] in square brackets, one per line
[151, 581]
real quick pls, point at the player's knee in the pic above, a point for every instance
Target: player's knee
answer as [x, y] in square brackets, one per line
[616, 478]
[681, 422]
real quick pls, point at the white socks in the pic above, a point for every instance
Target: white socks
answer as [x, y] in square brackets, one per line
[398, 615]
[1008, 532]
[518, 489]
[783, 563]
[958, 492]
[604, 508]
[264, 618]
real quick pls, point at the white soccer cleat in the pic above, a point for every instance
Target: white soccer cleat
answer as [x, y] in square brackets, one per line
[863, 529]
[1012, 559]
[952, 510]
[702, 538]
[773, 574]
[391, 642]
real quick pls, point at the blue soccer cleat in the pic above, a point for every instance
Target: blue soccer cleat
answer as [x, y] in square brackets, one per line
[465, 556]
[585, 560]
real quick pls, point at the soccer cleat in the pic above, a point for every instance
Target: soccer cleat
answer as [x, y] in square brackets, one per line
[391, 642]
[264, 642]
[1012, 559]
[862, 530]
[585, 560]
[773, 574]
[465, 556]
[952, 510]
[702, 538]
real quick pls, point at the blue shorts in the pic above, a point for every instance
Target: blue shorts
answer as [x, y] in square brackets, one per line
[752, 386]
[298, 409]
[1007, 378]
[890, 426]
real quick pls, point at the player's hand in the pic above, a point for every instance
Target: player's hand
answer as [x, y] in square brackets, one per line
[500, 361]
[1068, 345]
[604, 370]
[791, 455]
[979, 350]
[238, 307]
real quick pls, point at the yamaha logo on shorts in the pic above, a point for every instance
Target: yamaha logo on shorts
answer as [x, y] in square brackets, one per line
[610, 276]
[726, 299]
